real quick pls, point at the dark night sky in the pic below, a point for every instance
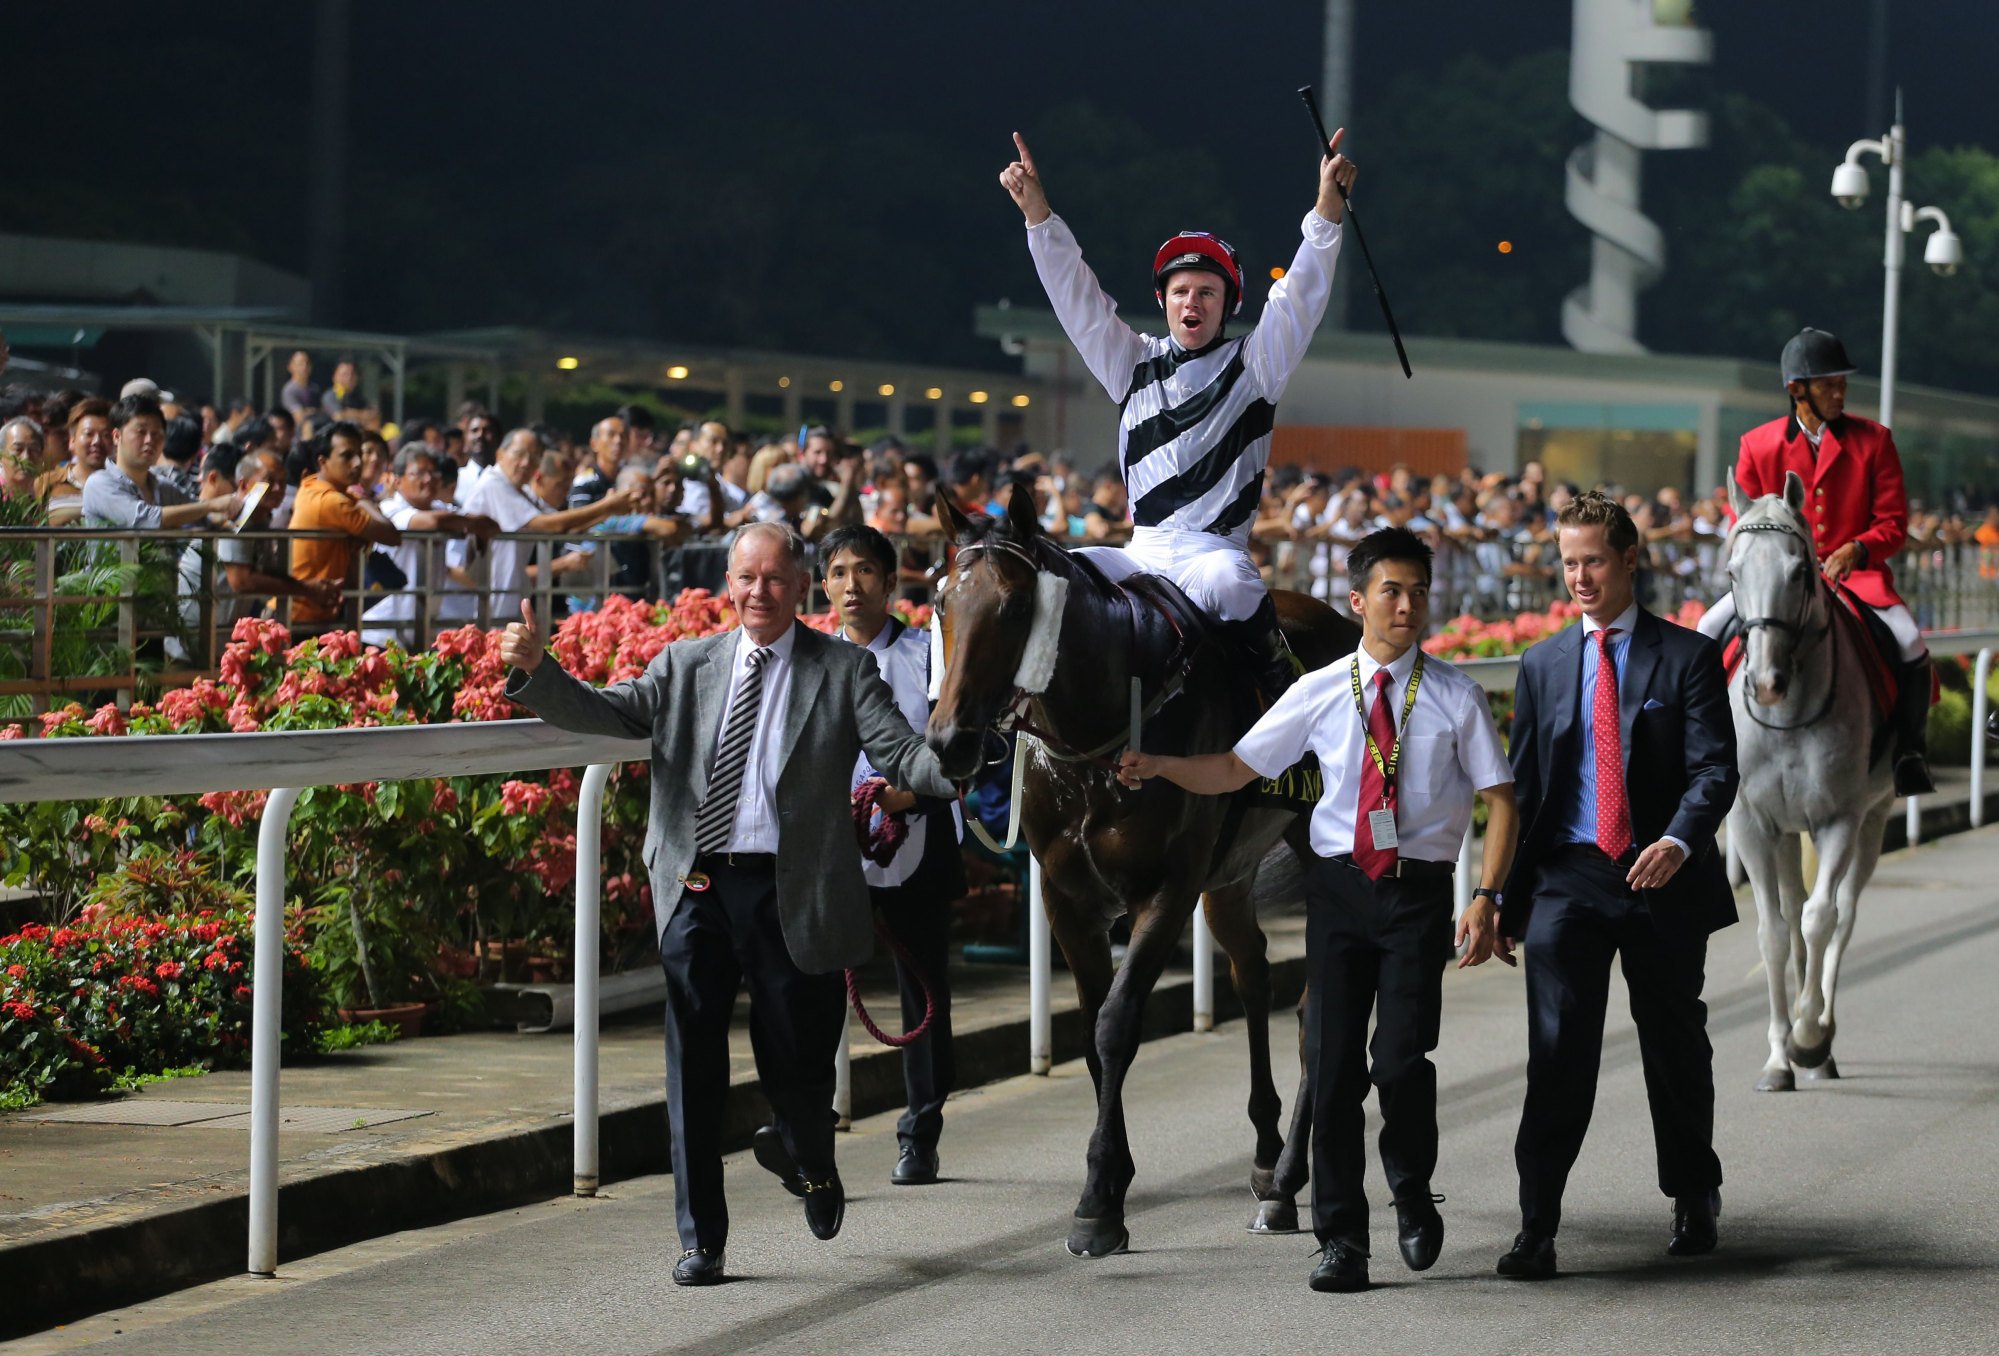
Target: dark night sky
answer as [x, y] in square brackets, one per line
[506, 125]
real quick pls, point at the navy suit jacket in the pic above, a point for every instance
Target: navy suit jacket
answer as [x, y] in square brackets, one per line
[1679, 763]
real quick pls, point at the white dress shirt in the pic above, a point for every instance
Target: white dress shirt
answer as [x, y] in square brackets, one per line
[1451, 750]
[1577, 822]
[756, 810]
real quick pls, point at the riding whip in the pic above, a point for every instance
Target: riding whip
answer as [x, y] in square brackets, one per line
[1325, 141]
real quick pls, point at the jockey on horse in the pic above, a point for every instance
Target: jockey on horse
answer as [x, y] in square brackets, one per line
[1859, 516]
[1197, 407]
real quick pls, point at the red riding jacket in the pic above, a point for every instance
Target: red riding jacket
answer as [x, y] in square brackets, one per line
[1853, 491]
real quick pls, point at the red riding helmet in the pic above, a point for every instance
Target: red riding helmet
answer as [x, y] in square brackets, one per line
[1205, 251]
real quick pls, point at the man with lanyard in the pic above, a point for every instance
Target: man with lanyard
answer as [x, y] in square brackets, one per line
[1404, 741]
[1196, 408]
[914, 891]
[1858, 513]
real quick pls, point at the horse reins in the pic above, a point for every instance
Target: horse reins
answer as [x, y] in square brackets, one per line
[1802, 636]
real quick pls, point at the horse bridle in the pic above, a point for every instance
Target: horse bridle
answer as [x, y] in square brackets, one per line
[1801, 636]
[1013, 712]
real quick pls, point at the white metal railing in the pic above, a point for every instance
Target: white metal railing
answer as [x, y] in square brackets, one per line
[286, 762]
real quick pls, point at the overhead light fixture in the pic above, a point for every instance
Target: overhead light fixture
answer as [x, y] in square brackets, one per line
[836, 385]
[568, 364]
[1276, 274]
[886, 389]
[1506, 247]
[676, 373]
[783, 383]
[1020, 402]
[978, 397]
[933, 393]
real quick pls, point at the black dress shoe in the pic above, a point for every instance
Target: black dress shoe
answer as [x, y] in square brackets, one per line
[698, 1266]
[1342, 1269]
[767, 1147]
[916, 1167]
[1419, 1230]
[1532, 1258]
[825, 1205]
[1694, 1231]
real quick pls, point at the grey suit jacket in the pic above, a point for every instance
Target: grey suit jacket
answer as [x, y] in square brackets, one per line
[839, 705]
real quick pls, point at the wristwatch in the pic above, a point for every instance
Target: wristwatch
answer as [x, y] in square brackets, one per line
[1492, 895]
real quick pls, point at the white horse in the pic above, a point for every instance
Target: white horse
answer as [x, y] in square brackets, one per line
[1804, 730]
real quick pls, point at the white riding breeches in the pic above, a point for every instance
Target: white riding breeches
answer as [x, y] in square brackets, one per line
[1898, 619]
[1216, 573]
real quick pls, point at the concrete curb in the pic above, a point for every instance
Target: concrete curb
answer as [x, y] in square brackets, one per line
[51, 1280]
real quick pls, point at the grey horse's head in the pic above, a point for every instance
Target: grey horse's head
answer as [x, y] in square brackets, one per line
[1773, 571]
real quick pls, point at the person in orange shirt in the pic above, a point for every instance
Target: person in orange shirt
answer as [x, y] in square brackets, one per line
[325, 504]
[1987, 537]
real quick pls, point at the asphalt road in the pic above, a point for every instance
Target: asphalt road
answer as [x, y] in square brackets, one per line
[1860, 1216]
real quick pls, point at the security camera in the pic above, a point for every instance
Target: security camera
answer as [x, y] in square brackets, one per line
[1849, 185]
[1943, 252]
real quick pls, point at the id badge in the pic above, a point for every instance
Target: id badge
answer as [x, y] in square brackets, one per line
[1381, 828]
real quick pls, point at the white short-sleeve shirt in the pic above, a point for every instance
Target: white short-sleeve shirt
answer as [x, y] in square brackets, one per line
[1450, 751]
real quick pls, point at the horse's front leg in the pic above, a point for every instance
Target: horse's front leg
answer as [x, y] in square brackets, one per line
[1277, 1208]
[1099, 1228]
[1760, 848]
[1846, 904]
[1810, 1042]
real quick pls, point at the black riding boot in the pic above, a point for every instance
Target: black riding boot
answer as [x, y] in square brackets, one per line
[1277, 666]
[1912, 722]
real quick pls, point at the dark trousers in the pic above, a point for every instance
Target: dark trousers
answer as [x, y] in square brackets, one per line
[918, 914]
[716, 942]
[1372, 947]
[1583, 915]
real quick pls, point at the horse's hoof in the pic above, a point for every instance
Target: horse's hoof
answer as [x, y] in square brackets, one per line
[1097, 1237]
[1824, 1073]
[1809, 1057]
[1278, 1215]
[1262, 1181]
[1777, 1080]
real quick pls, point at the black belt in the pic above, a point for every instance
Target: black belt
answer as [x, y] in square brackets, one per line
[1411, 867]
[736, 861]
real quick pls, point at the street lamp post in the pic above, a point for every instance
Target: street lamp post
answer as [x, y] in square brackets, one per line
[1943, 252]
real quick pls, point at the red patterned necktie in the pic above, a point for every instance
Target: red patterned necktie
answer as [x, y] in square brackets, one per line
[1381, 724]
[1613, 807]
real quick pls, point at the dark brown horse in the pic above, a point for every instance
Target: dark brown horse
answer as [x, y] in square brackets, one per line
[1104, 850]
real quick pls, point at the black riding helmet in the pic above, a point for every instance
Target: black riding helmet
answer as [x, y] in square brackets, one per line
[1812, 354]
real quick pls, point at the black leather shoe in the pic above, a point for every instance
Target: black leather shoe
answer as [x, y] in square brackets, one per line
[1532, 1258]
[916, 1167]
[1419, 1230]
[767, 1147]
[698, 1266]
[1694, 1231]
[1342, 1269]
[825, 1205]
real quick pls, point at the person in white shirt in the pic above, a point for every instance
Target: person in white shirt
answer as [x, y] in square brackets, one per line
[506, 494]
[1196, 407]
[1404, 742]
[913, 891]
[413, 506]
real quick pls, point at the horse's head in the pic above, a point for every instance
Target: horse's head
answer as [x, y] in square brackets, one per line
[1773, 572]
[986, 609]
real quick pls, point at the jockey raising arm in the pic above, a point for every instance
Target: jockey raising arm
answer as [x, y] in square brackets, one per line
[1858, 511]
[1196, 408]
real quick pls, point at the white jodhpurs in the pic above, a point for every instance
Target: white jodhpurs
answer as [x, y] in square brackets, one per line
[1898, 619]
[1216, 573]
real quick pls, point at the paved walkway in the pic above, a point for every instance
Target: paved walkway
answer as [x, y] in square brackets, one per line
[99, 1212]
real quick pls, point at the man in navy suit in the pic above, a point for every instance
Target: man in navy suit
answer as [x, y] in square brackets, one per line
[1623, 756]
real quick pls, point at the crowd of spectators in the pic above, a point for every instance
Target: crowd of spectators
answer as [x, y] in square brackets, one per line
[634, 492]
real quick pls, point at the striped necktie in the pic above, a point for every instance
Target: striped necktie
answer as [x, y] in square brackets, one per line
[716, 819]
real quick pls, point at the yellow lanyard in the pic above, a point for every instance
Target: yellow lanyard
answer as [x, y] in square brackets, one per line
[1386, 766]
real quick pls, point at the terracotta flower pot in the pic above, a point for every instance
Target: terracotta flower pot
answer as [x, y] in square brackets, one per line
[407, 1018]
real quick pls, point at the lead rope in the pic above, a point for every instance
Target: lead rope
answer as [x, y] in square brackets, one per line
[879, 845]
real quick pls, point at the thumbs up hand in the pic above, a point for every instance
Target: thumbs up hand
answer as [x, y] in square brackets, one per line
[522, 644]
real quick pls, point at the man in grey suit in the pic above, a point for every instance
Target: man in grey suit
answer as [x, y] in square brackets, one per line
[755, 877]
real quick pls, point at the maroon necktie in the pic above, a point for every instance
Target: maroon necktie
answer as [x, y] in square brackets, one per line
[1613, 808]
[1381, 724]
